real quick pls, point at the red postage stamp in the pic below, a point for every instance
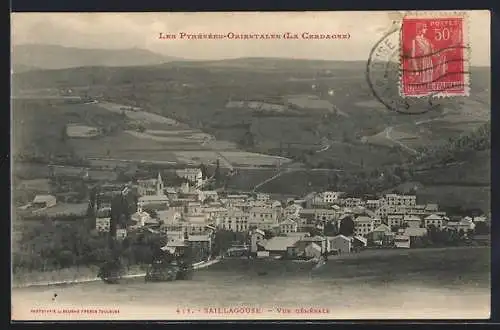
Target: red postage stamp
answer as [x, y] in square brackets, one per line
[434, 56]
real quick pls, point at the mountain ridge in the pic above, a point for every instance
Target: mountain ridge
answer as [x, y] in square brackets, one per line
[51, 57]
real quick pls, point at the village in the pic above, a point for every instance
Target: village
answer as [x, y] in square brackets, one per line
[317, 225]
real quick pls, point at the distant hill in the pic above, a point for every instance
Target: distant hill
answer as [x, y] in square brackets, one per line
[20, 68]
[269, 63]
[59, 57]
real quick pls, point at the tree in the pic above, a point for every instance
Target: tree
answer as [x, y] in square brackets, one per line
[314, 231]
[64, 134]
[329, 229]
[268, 234]
[346, 227]
[204, 171]
[217, 174]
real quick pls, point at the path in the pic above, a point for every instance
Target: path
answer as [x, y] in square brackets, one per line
[389, 129]
[277, 175]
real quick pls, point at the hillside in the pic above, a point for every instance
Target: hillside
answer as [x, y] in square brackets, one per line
[457, 174]
[59, 57]
[355, 135]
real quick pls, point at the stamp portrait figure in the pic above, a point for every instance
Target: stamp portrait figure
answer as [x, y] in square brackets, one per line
[422, 52]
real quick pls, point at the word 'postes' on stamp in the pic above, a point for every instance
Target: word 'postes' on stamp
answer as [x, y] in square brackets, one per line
[434, 56]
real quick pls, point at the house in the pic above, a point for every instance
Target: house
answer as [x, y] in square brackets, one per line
[281, 246]
[192, 175]
[175, 236]
[262, 197]
[195, 224]
[394, 220]
[175, 245]
[103, 225]
[373, 204]
[150, 187]
[319, 214]
[400, 200]
[434, 220]
[208, 194]
[214, 214]
[402, 241]
[376, 221]
[193, 208]
[380, 232]
[415, 232]
[298, 234]
[292, 210]
[430, 208]
[121, 233]
[288, 226]
[340, 243]
[463, 225]
[320, 240]
[236, 219]
[263, 217]
[412, 221]
[312, 200]
[313, 250]
[262, 254]
[154, 201]
[330, 196]
[44, 201]
[256, 237]
[169, 216]
[202, 244]
[363, 225]
[171, 192]
[352, 202]
[381, 235]
[140, 217]
[480, 219]
[359, 242]
[325, 215]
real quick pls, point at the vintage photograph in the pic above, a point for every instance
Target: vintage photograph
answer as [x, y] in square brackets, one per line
[257, 165]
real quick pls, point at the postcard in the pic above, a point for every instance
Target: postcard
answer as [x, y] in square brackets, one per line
[251, 166]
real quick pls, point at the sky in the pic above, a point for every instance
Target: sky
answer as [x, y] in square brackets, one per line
[141, 30]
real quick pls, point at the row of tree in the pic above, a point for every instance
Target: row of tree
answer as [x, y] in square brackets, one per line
[51, 246]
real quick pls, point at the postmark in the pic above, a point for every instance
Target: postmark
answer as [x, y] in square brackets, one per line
[390, 76]
[434, 56]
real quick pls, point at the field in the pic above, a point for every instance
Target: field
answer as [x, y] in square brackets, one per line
[435, 266]
[63, 209]
[81, 131]
[38, 126]
[163, 139]
[191, 97]
[453, 196]
[196, 93]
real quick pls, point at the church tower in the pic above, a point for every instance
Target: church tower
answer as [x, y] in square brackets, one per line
[159, 186]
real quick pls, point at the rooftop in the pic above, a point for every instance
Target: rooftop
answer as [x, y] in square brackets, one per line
[198, 238]
[280, 243]
[363, 219]
[43, 198]
[433, 217]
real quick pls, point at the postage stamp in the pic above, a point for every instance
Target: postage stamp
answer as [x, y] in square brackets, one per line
[434, 56]
[250, 166]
